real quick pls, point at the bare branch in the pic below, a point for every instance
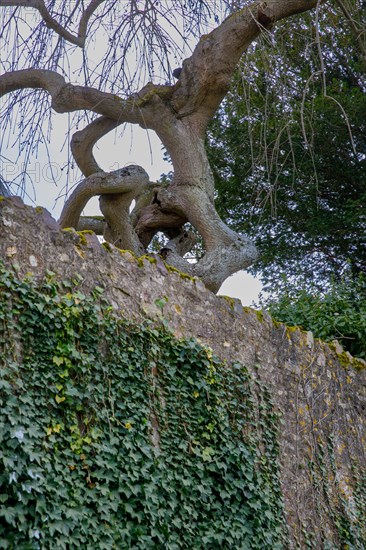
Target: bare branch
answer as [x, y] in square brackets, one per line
[82, 143]
[131, 179]
[52, 23]
[206, 75]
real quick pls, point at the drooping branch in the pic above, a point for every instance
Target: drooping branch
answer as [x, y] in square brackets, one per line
[52, 23]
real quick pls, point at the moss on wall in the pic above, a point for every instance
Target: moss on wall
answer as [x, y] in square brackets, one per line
[71, 370]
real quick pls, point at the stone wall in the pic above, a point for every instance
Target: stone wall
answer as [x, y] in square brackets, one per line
[319, 390]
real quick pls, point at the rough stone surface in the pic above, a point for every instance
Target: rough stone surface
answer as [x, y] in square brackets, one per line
[319, 390]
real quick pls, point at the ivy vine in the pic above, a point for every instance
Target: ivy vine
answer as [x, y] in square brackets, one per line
[119, 435]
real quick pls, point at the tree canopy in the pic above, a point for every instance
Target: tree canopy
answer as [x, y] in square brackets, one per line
[288, 149]
[37, 78]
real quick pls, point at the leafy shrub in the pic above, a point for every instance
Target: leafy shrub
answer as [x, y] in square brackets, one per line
[337, 314]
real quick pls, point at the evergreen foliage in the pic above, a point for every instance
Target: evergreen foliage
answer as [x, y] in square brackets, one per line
[338, 314]
[288, 149]
[117, 435]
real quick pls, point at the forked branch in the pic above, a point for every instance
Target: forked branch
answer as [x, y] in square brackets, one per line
[52, 23]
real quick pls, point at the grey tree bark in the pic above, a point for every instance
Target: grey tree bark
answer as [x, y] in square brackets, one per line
[179, 114]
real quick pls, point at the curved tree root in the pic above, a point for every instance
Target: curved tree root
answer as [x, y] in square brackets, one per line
[217, 264]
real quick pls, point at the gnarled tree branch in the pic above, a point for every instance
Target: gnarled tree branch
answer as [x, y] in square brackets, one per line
[131, 180]
[83, 141]
[52, 23]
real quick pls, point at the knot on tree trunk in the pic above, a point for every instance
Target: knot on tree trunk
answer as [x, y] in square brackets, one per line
[265, 15]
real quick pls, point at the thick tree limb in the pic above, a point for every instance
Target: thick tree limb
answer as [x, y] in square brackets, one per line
[52, 23]
[49, 81]
[206, 75]
[82, 143]
[118, 229]
[131, 180]
[67, 98]
[150, 108]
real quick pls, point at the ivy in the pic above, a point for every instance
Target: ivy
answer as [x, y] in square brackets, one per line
[348, 515]
[118, 435]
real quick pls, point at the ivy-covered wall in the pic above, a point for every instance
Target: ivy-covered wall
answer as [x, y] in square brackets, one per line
[116, 435]
[138, 410]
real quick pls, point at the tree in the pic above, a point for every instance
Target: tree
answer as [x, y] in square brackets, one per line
[179, 113]
[288, 150]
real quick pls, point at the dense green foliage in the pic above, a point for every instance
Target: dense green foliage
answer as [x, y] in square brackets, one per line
[83, 397]
[338, 314]
[288, 148]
